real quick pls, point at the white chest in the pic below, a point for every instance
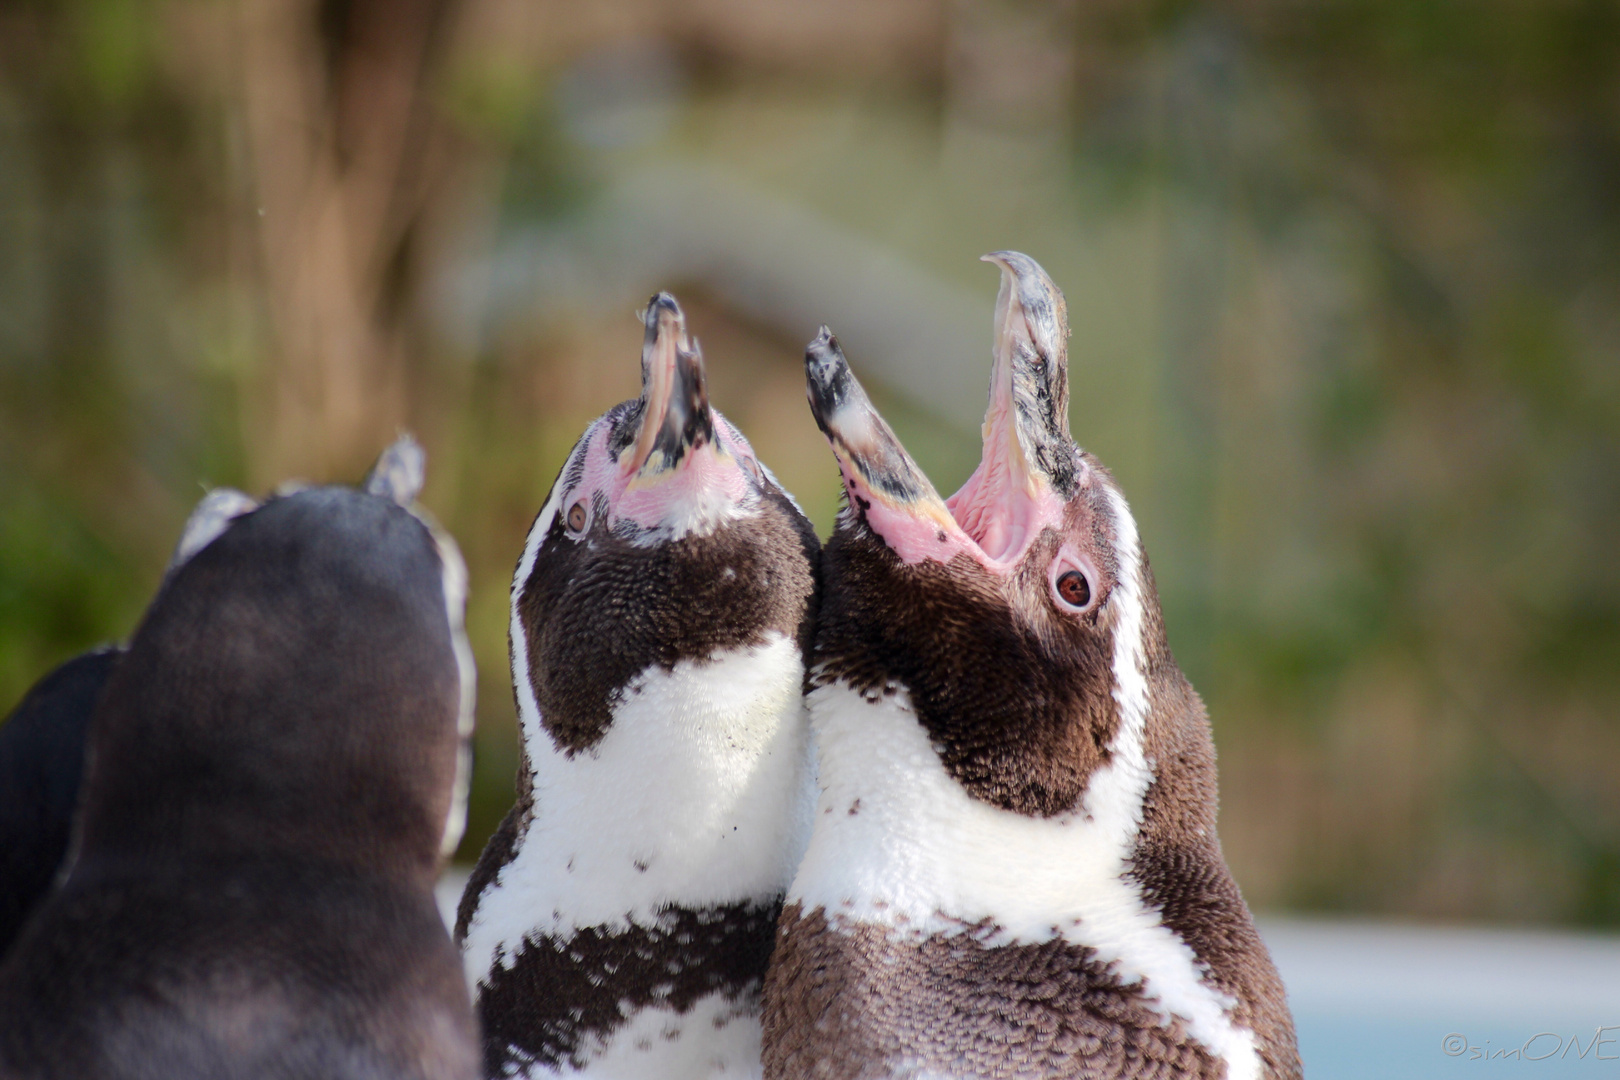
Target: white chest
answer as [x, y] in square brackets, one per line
[698, 794]
[896, 842]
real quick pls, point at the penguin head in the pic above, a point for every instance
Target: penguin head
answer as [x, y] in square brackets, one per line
[663, 538]
[300, 686]
[665, 465]
[1011, 613]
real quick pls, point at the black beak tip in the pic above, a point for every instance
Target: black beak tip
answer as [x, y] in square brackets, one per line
[661, 304]
[824, 362]
[826, 371]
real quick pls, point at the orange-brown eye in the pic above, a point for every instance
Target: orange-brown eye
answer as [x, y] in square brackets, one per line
[1074, 589]
[576, 517]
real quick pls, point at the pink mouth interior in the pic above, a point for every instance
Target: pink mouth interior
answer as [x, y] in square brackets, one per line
[992, 510]
[995, 507]
[994, 518]
[1005, 505]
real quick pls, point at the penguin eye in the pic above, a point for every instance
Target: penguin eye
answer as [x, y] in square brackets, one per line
[1073, 589]
[577, 517]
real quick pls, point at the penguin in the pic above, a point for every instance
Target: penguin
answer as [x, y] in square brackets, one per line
[1014, 869]
[42, 747]
[268, 792]
[619, 922]
[41, 762]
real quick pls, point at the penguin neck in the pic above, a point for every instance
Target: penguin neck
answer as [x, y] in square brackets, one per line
[899, 843]
[688, 796]
[695, 797]
[882, 777]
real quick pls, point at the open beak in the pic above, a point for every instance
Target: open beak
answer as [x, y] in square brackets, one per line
[1026, 427]
[877, 470]
[675, 416]
[1029, 467]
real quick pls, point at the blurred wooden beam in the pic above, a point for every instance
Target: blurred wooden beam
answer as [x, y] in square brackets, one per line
[345, 150]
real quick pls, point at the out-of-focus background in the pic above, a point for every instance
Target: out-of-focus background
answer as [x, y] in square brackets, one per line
[1344, 279]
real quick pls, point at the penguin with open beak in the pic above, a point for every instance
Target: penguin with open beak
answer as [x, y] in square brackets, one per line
[1014, 869]
[620, 920]
[272, 780]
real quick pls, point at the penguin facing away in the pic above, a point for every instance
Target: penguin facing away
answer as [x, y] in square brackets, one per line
[270, 781]
[42, 747]
[1014, 870]
[620, 920]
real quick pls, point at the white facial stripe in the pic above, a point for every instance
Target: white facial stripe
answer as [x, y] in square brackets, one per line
[1167, 964]
[528, 707]
[777, 484]
[490, 929]
[715, 1039]
[897, 842]
[737, 444]
[696, 795]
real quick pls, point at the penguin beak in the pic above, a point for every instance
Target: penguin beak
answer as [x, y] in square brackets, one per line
[675, 415]
[1028, 468]
[877, 470]
[212, 516]
[399, 473]
[1026, 427]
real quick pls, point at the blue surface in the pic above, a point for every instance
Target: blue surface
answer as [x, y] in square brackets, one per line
[1340, 1047]
[1395, 1001]
[1387, 1001]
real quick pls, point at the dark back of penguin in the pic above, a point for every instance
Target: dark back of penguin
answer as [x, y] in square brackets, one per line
[292, 692]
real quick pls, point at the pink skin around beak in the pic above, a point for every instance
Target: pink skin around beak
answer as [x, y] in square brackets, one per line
[681, 468]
